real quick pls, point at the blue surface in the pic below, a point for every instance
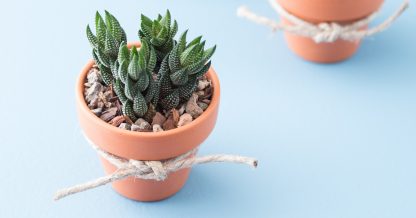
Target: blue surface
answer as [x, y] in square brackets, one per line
[332, 140]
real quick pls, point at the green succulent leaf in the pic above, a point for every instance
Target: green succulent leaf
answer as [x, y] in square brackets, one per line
[185, 92]
[166, 19]
[151, 65]
[91, 37]
[123, 71]
[102, 57]
[105, 74]
[110, 45]
[139, 105]
[100, 28]
[170, 101]
[133, 69]
[182, 42]
[119, 90]
[143, 82]
[179, 77]
[128, 110]
[130, 89]
[123, 53]
[174, 61]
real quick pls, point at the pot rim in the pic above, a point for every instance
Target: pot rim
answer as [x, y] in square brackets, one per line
[93, 118]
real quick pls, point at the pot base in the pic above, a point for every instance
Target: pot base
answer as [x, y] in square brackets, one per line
[147, 190]
[321, 52]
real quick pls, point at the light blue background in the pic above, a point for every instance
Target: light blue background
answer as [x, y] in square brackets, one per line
[332, 140]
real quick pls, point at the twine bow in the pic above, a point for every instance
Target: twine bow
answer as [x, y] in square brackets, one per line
[155, 170]
[322, 32]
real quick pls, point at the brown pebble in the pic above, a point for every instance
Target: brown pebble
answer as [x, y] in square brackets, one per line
[97, 111]
[116, 121]
[184, 119]
[169, 124]
[109, 114]
[192, 107]
[158, 119]
[175, 116]
[202, 84]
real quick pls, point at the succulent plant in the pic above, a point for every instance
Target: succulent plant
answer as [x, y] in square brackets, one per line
[106, 43]
[134, 82]
[159, 33]
[180, 70]
[162, 73]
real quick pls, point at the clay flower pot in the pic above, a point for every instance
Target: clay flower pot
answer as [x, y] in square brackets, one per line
[317, 11]
[146, 145]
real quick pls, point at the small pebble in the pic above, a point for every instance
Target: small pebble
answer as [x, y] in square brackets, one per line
[158, 119]
[143, 124]
[125, 126]
[169, 124]
[97, 111]
[202, 84]
[157, 128]
[109, 114]
[202, 105]
[192, 107]
[181, 109]
[184, 119]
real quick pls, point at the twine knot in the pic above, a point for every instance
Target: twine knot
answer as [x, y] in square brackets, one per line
[155, 170]
[328, 32]
[322, 32]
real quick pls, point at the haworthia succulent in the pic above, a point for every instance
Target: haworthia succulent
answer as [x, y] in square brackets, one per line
[162, 73]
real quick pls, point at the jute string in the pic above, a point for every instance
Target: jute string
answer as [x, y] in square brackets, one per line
[155, 170]
[322, 32]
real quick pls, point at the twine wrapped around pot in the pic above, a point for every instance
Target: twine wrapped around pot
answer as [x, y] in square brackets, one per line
[322, 32]
[156, 170]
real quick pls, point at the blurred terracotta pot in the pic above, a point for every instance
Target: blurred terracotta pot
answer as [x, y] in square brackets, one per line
[147, 145]
[317, 11]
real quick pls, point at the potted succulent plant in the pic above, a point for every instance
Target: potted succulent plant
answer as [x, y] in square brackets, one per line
[317, 11]
[152, 100]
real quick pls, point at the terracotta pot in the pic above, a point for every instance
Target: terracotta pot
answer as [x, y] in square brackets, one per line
[316, 11]
[147, 145]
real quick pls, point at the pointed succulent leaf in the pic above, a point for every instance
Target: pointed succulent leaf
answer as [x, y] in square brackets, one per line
[102, 57]
[166, 19]
[114, 69]
[133, 52]
[203, 70]
[95, 57]
[142, 64]
[173, 29]
[133, 68]
[139, 105]
[108, 22]
[209, 52]
[106, 74]
[182, 41]
[156, 28]
[151, 91]
[119, 90]
[157, 42]
[163, 34]
[188, 56]
[123, 71]
[185, 92]
[142, 82]
[179, 77]
[152, 60]
[128, 110]
[91, 37]
[195, 41]
[144, 49]
[110, 45]
[170, 101]
[174, 61]
[100, 28]
[123, 53]
[130, 90]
